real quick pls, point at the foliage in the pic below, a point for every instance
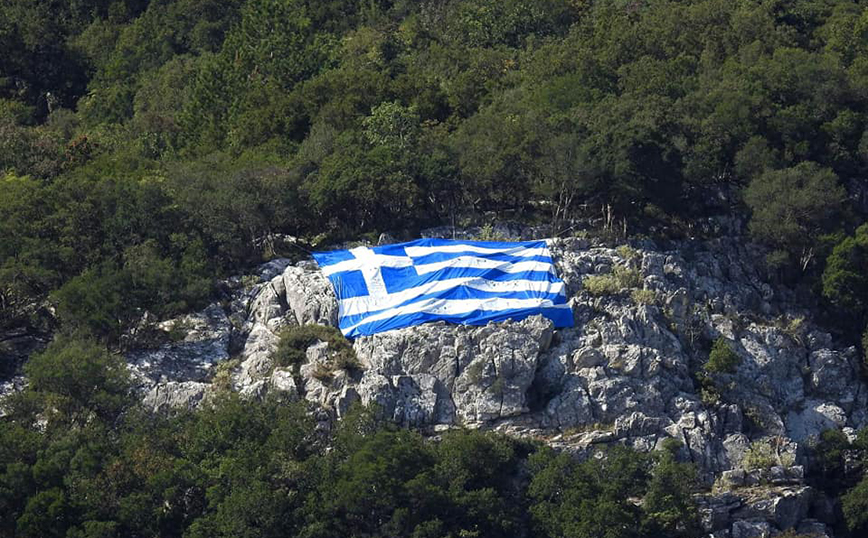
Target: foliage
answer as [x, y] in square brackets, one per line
[668, 504]
[722, 359]
[294, 341]
[845, 278]
[792, 207]
[763, 454]
[149, 147]
[865, 344]
[854, 504]
[101, 466]
[828, 467]
[76, 380]
[644, 297]
[609, 284]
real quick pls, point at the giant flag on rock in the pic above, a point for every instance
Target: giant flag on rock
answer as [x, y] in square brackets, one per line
[466, 282]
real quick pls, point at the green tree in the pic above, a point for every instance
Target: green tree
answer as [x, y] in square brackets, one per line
[78, 380]
[668, 504]
[722, 359]
[854, 504]
[845, 278]
[791, 208]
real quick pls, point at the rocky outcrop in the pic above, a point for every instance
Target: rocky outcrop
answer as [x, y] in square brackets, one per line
[175, 374]
[630, 371]
[439, 374]
[760, 512]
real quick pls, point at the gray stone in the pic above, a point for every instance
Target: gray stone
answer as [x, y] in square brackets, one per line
[269, 305]
[204, 342]
[625, 373]
[256, 356]
[282, 383]
[784, 507]
[751, 529]
[310, 297]
[169, 395]
[815, 418]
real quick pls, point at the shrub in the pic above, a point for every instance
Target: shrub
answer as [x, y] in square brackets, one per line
[829, 457]
[222, 379]
[487, 233]
[762, 455]
[294, 341]
[845, 278]
[792, 207]
[644, 297]
[601, 285]
[323, 373]
[626, 277]
[627, 252]
[865, 345]
[474, 371]
[854, 504]
[759, 456]
[621, 277]
[77, 378]
[722, 359]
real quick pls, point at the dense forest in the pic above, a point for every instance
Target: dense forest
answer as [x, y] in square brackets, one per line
[150, 147]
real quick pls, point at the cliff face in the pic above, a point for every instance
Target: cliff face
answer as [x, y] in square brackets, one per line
[631, 371]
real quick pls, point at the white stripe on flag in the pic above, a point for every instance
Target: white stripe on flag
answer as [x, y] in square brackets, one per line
[359, 305]
[446, 307]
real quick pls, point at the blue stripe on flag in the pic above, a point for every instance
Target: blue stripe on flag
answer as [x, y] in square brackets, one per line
[350, 284]
[560, 316]
[332, 257]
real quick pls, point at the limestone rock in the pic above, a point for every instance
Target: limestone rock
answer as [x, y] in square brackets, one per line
[310, 297]
[204, 342]
[175, 395]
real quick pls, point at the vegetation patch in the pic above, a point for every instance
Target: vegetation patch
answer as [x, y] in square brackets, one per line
[620, 278]
[222, 379]
[294, 341]
[628, 253]
[644, 297]
[722, 359]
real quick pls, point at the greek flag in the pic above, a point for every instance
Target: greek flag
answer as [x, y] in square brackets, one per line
[467, 282]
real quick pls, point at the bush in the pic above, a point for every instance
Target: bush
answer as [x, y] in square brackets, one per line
[855, 507]
[865, 345]
[628, 253]
[845, 278]
[762, 455]
[643, 297]
[77, 378]
[601, 285]
[722, 359]
[829, 457]
[620, 278]
[294, 342]
[668, 504]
